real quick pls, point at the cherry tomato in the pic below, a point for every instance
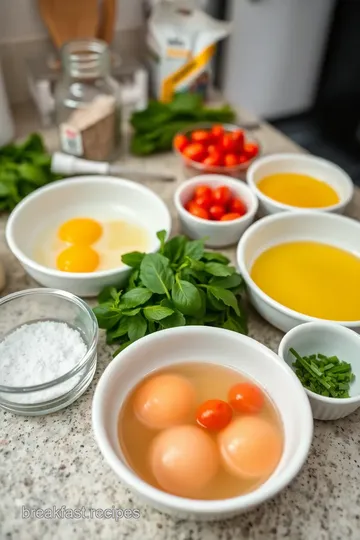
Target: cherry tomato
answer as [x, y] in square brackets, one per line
[214, 160]
[212, 149]
[227, 143]
[194, 151]
[214, 414]
[238, 137]
[237, 206]
[180, 142]
[217, 131]
[202, 190]
[251, 150]
[230, 160]
[197, 211]
[204, 201]
[230, 217]
[200, 135]
[221, 195]
[246, 398]
[216, 212]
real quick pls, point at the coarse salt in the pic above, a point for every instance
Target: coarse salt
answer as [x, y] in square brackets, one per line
[40, 352]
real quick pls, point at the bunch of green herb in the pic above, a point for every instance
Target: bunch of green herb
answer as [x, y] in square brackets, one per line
[181, 285]
[23, 168]
[156, 126]
[324, 375]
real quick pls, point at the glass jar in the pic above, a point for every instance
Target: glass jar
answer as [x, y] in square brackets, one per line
[87, 101]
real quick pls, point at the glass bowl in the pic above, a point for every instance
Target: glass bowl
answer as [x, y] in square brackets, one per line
[193, 168]
[34, 305]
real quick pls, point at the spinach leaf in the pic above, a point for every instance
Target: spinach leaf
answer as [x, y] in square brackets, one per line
[225, 296]
[106, 317]
[194, 249]
[135, 297]
[161, 235]
[217, 269]
[137, 327]
[174, 249]
[228, 282]
[157, 313]
[156, 274]
[217, 257]
[133, 259]
[186, 297]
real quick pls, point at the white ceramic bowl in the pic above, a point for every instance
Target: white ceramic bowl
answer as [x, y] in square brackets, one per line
[319, 168]
[276, 229]
[332, 340]
[218, 233]
[217, 346]
[82, 196]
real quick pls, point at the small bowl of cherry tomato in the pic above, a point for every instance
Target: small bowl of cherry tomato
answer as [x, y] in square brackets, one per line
[215, 207]
[216, 149]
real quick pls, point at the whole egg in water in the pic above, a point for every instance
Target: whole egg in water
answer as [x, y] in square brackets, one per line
[184, 460]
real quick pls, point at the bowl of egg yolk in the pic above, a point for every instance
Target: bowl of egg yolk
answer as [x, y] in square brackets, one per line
[151, 422]
[299, 182]
[71, 234]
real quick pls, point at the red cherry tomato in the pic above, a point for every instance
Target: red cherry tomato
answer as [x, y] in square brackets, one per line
[204, 201]
[238, 137]
[242, 159]
[217, 131]
[197, 211]
[237, 206]
[214, 414]
[214, 160]
[202, 190]
[194, 151]
[246, 398]
[227, 143]
[212, 149]
[180, 142]
[230, 217]
[200, 135]
[216, 212]
[230, 160]
[221, 195]
[251, 150]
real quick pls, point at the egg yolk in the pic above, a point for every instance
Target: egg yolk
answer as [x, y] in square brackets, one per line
[164, 401]
[184, 459]
[77, 259]
[82, 231]
[250, 447]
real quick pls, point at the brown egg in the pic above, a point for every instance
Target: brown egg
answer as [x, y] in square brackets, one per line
[164, 401]
[184, 460]
[250, 447]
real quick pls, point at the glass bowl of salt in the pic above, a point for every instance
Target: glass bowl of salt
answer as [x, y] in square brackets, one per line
[48, 341]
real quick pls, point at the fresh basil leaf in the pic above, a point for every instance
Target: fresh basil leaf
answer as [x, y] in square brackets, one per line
[211, 317]
[162, 237]
[157, 313]
[176, 319]
[156, 274]
[174, 248]
[186, 297]
[32, 174]
[133, 259]
[194, 249]
[235, 324]
[195, 264]
[121, 348]
[134, 276]
[119, 331]
[202, 310]
[217, 269]
[213, 303]
[137, 327]
[107, 294]
[106, 317]
[135, 297]
[193, 321]
[225, 296]
[216, 257]
[228, 282]
[131, 312]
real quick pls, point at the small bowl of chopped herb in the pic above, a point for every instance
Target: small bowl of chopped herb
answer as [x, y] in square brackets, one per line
[326, 358]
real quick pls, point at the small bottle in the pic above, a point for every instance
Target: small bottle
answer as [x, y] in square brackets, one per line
[88, 101]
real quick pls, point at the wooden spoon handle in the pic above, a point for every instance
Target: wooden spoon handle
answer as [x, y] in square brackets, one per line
[107, 20]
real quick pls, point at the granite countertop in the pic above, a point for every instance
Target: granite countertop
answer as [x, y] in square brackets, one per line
[54, 461]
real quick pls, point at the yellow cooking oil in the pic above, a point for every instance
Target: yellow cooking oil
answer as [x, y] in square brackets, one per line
[312, 278]
[299, 190]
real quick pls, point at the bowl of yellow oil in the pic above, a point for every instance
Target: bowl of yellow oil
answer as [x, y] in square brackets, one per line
[302, 267]
[299, 182]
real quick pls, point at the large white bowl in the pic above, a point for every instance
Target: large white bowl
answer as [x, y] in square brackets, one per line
[216, 346]
[88, 196]
[217, 233]
[331, 340]
[319, 168]
[276, 229]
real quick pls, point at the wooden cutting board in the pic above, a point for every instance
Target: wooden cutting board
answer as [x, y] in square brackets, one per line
[107, 20]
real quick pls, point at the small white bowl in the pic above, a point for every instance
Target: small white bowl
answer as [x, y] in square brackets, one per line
[331, 229]
[215, 346]
[90, 196]
[319, 168]
[331, 340]
[218, 233]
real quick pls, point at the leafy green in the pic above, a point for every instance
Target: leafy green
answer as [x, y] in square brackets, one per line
[23, 168]
[180, 285]
[156, 126]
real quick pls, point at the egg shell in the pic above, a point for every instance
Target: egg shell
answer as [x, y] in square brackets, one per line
[184, 460]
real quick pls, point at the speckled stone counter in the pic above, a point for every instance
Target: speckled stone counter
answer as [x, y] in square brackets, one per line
[53, 461]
